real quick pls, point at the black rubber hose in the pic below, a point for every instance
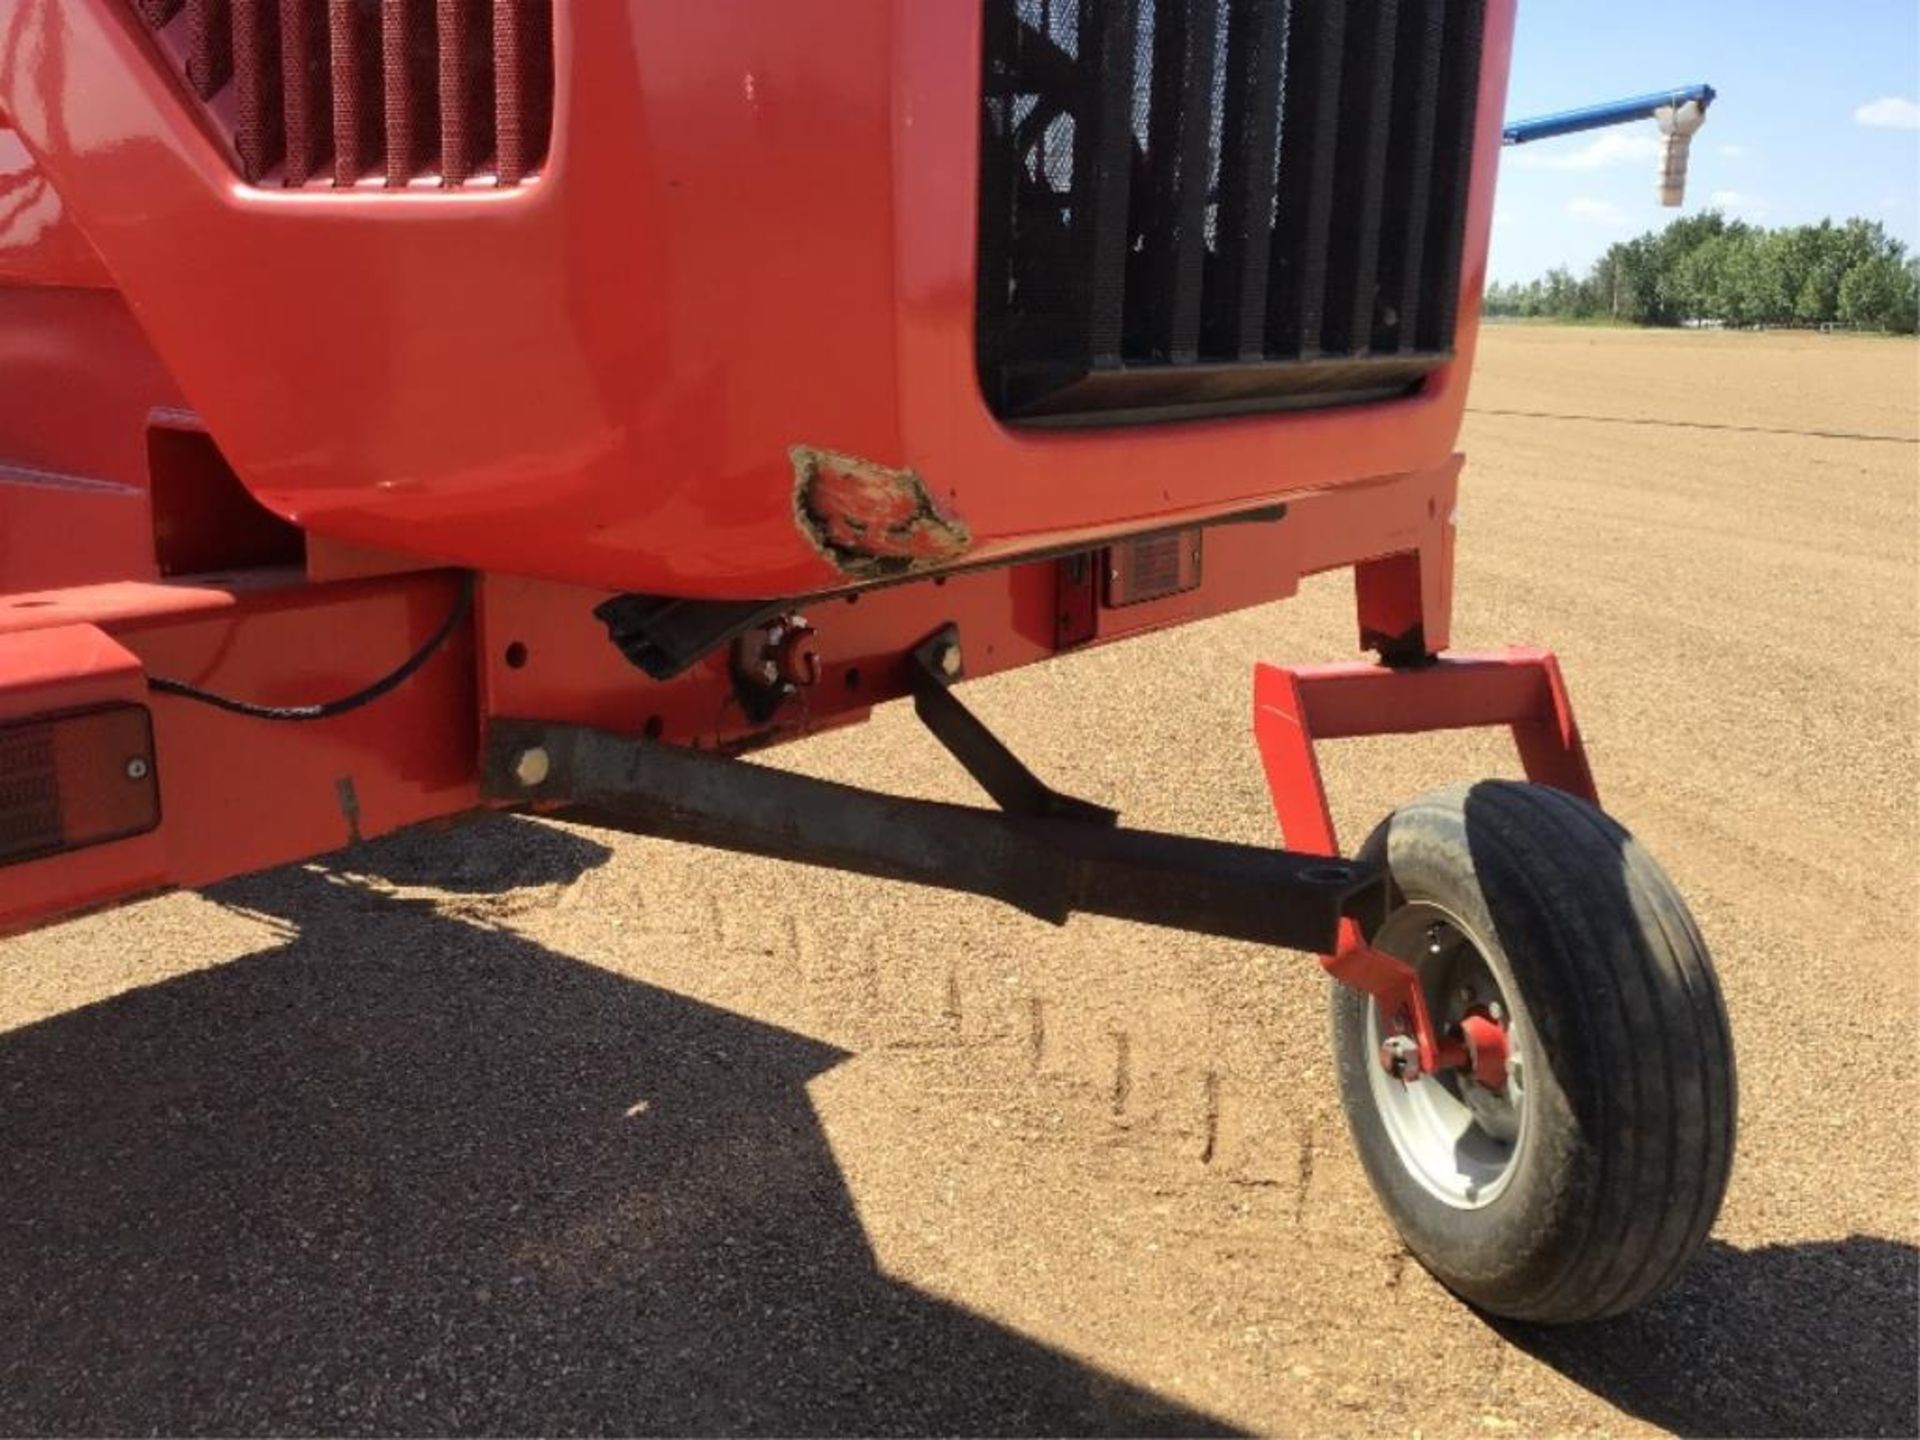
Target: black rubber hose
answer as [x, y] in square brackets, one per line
[327, 709]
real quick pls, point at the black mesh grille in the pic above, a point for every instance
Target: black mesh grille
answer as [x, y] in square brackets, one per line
[1197, 206]
[30, 819]
[448, 92]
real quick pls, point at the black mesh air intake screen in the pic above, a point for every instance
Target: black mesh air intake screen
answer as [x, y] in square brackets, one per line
[1208, 206]
[316, 92]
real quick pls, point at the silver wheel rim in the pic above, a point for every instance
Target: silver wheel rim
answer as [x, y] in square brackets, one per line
[1461, 1141]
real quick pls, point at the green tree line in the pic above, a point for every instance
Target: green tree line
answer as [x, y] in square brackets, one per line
[1707, 267]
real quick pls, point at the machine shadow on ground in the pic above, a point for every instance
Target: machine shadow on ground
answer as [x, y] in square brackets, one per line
[410, 1173]
[406, 1173]
[1727, 1351]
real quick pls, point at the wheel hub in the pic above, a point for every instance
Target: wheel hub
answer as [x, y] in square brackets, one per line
[1458, 1129]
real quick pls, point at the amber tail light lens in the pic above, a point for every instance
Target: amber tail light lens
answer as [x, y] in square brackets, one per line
[76, 779]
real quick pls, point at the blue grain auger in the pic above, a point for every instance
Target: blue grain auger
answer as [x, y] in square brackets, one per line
[1678, 112]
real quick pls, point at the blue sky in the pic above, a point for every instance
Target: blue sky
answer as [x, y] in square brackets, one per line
[1786, 142]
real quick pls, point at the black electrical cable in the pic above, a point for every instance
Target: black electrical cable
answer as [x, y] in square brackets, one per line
[326, 709]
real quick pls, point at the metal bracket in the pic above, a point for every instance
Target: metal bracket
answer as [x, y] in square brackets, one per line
[936, 663]
[1296, 705]
[663, 635]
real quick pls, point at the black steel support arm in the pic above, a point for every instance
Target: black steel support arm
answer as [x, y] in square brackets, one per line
[1043, 864]
[1001, 773]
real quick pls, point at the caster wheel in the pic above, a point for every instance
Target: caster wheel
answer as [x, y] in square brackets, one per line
[1579, 1187]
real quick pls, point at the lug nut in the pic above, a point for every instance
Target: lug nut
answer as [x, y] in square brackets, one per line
[532, 766]
[1400, 1057]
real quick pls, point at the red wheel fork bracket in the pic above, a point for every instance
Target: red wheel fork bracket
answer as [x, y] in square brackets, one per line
[1295, 706]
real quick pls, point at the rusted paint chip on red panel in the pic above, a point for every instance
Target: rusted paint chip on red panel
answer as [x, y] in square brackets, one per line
[869, 520]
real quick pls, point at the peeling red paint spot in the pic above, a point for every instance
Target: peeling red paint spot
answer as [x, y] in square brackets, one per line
[870, 520]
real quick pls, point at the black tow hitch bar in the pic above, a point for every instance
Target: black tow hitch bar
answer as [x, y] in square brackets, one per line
[1051, 857]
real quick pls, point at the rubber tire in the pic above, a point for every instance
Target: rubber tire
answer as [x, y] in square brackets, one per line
[1630, 1077]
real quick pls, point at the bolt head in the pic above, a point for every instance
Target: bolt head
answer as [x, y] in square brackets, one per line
[1400, 1057]
[138, 768]
[532, 766]
[796, 656]
[950, 660]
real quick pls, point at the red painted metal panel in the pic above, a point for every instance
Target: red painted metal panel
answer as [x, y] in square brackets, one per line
[39, 242]
[78, 383]
[66, 529]
[136, 604]
[755, 232]
[65, 667]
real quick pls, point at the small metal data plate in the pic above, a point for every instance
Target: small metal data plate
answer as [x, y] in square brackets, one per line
[1152, 567]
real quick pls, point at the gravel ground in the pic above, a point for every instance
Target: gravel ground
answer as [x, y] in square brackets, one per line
[527, 1128]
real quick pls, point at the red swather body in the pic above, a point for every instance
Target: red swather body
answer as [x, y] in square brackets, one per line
[754, 233]
[626, 379]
